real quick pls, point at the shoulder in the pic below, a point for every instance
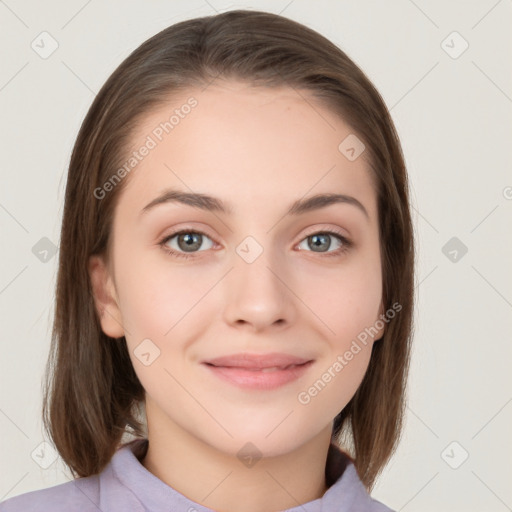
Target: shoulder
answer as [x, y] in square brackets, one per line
[360, 499]
[94, 493]
[81, 495]
[346, 488]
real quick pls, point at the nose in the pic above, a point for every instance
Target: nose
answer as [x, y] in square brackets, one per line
[257, 294]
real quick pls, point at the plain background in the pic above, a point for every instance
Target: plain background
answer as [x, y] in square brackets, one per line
[453, 112]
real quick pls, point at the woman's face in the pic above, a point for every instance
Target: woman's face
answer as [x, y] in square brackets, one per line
[263, 276]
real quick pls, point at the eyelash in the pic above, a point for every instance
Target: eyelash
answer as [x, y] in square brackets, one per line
[347, 244]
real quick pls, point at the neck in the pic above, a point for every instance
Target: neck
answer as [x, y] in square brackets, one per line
[222, 482]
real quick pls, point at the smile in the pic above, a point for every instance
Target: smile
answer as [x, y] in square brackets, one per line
[266, 378]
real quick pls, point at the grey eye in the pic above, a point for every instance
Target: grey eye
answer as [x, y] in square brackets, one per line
[320, 242]
[188, 241]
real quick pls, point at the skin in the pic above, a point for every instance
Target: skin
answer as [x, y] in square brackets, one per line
[258, 149]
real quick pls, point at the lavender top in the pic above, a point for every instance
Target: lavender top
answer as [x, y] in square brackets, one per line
[125, 485]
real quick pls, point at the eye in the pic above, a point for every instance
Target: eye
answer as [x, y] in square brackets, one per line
[187, 241]
[321, 242]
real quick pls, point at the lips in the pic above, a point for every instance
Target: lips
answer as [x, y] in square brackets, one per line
[255, 362]
[258, 371]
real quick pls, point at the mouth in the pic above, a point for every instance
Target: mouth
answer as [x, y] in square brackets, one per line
[258, 372]
[263, 370]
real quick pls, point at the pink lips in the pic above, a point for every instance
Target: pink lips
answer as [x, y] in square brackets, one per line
[259, 371]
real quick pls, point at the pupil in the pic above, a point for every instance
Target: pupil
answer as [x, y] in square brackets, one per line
[319, 239]
[189, 240]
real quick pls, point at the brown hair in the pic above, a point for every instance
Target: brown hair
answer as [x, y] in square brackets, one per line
[91, 389]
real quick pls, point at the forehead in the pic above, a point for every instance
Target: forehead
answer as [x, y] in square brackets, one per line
[246, 143]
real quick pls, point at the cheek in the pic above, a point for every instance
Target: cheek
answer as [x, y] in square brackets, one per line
[335, 384]
[159, 309]
[346, 300]
[157, 300]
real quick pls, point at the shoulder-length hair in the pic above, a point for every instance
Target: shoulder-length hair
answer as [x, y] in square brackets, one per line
[91, 391]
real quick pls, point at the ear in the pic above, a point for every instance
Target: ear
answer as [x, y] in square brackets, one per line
[105, 298]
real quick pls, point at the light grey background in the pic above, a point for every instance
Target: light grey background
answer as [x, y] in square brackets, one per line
[453, 113]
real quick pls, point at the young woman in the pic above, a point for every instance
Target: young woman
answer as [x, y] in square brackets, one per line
[235, 286]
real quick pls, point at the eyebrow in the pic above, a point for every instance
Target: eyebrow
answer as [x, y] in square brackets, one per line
[214, 204]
